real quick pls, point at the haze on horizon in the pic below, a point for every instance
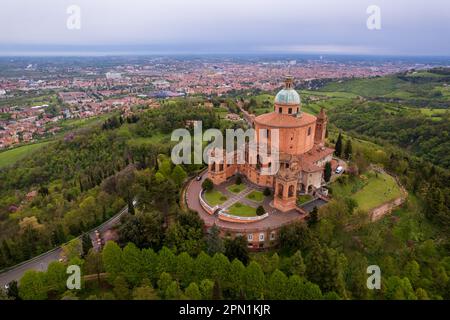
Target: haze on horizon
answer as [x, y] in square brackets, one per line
[408, 27]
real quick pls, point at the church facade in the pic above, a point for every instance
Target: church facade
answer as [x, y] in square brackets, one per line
[302, 153]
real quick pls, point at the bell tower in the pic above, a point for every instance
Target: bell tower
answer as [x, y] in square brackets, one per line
[321, 128]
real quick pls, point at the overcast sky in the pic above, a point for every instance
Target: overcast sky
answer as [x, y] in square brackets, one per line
[408, 27]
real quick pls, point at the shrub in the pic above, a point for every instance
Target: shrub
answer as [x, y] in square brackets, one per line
[260, 211]
[207, 185]
[267, 192]
[238, 180]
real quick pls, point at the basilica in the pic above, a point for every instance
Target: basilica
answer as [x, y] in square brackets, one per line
[301, 152]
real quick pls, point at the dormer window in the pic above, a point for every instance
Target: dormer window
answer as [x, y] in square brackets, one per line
[280, 110]
[290, 110]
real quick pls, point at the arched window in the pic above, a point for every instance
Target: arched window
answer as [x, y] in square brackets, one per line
[309, 131]
[291, 191]
[280, 110]
[290, 110]
[280, 190]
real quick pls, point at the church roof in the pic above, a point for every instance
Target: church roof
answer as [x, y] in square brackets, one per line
[288, 95]
[278, 120]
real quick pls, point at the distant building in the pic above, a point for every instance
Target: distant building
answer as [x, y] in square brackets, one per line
[113, 76]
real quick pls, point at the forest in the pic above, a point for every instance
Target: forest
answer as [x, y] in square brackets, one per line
[162, 250]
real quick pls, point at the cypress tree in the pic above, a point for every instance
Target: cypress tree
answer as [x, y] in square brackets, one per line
[338, 146]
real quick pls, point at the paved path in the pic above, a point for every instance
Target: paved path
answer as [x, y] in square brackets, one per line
[41, 262]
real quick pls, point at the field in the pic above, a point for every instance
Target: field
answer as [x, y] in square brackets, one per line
[369, 190]
[10, 157]
[239, 209]
[215, 197]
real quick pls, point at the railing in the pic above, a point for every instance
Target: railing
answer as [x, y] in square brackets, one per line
[205, 205]
[223, 213]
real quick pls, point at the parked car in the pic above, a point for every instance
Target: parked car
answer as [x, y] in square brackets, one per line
[198, 178]
[339, 170]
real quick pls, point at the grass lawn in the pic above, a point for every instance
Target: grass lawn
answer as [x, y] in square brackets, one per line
[301, 199]
[369, 190]
[10, 157]
[239, 209]
[256, 196]
[236, 188]
[215, 197]
[377, 191]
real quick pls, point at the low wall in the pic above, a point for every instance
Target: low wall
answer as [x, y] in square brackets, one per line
[206, 206]
[232, 218]
[386, 208]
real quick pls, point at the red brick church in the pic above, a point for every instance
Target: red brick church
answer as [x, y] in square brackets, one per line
[301, 149]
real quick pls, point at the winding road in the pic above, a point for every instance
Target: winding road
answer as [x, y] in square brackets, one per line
[41, 262]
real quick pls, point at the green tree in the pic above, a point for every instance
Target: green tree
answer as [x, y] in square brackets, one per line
[313, 217]
[214, 243]
[72, 249]
[13, 290]
[178, 175]
[300, 289]
[143, 229]
[234, 285]
[254, 281]
[207, 184]
[277, 288]
[348, 150]
[325, 267]
[33, 286]
[132, 265]
[192, 292]
[260, 210]
[56, 277]
[206, 288]
[93, 264]
[112, 259]
[295, 264]
[237, 248]
[145, 292]
[184, 268]
[86, 243]
[121, 290]
[338, 146]
[165, 279]
[327, 171]
[399, 289]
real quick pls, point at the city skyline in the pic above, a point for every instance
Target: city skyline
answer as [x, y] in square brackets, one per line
[407, 28]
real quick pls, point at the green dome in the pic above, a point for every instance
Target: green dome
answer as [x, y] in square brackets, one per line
[287, 96]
